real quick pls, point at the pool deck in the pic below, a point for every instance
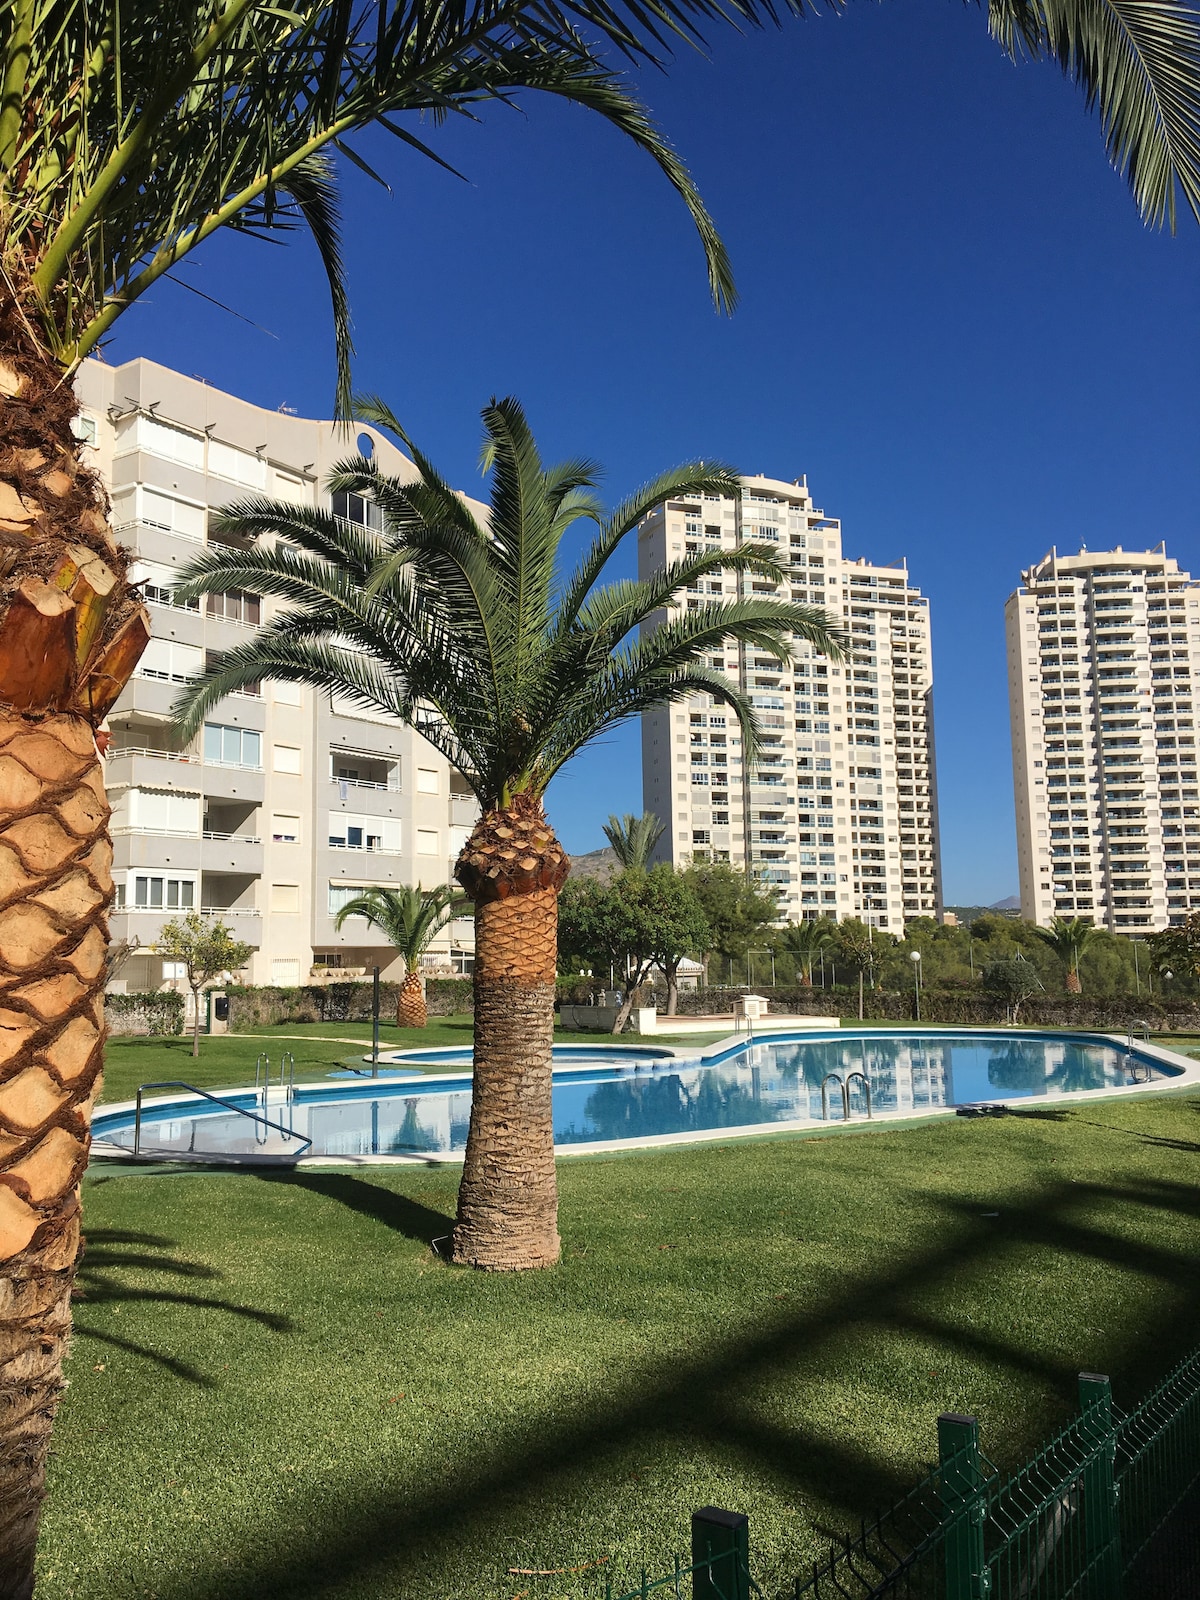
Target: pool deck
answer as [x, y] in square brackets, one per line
[1185, 1074]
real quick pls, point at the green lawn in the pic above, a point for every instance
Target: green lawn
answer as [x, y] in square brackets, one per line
[277, 1390]
[225, 1061]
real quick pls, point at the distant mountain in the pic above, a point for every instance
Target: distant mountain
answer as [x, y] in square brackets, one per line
[1013, 903]
[600, 864]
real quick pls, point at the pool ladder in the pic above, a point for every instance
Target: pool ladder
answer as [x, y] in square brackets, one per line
[844, 1085]
[216, 1100]
[286, 1092]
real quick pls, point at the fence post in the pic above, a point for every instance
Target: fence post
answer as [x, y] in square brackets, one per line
[961, 1475]
[1101, 1524]
[721, 1554]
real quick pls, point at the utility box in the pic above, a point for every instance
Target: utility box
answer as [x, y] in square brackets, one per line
[218, 1012]
[751, 1007]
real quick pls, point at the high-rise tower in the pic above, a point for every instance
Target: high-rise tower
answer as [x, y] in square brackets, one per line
[840, 814]
[1103, 650]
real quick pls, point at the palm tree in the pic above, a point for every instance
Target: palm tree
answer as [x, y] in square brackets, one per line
[806, 941]
[129, 134]
[469, 631]
[1069, 937]
[633, 838]
[411, 919]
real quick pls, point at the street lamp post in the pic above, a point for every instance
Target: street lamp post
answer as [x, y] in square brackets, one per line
[915, 958]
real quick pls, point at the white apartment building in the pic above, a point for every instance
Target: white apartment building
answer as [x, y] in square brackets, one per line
[289, 802]
[840, 813]
[1103, 652]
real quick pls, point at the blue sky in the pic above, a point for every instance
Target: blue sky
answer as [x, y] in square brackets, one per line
[952, 320]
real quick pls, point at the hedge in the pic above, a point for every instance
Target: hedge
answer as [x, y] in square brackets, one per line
[1117, 1013]
[155, 1012]
[338, 1002]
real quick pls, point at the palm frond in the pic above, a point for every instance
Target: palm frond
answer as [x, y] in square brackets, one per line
[1138, 62]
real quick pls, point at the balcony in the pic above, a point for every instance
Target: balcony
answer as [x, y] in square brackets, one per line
[145, 923]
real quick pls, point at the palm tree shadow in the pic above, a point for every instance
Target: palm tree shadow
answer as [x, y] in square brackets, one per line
[395, 1211]
[111, 1255]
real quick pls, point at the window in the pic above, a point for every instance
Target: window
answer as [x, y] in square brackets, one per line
[286, 694]
[285, 898]
[232, 747]
[285, 829]
[427, 780]
[286, 486]
[349, 830]
[238, 466]
[285, 972]
[174, 972]
[170, 661]
[235, 606]
[286, 758]
[169, 894]
[159, 811]
[84, 429]
[164, 511]
[354, 508]
[340, 894]
[427, 842]
[160, 439]
[157, 584]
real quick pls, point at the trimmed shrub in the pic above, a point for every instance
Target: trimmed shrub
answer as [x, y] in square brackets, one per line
[1112, 1013]
[157, 1013]
[266, 1005]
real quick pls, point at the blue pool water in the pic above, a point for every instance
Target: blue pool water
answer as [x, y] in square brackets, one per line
[772, 1082]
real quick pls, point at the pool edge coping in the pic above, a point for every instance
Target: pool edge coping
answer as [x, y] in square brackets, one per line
[1186, 1076]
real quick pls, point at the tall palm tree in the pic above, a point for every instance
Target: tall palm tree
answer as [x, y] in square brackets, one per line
[474, 634]
[411, 920]
[807, 941]
[633, 838]
[129, 134]
[1069, 937]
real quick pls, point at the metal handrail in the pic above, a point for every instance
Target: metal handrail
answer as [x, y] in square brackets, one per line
[226, 1105]
[825, 1096]
[866, 1083]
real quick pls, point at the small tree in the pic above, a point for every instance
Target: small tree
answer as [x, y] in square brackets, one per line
[206, 950]
[738, 910]
[411, 919]
[639, 921]
[806, 941]
[1014, 980]
[855, 946]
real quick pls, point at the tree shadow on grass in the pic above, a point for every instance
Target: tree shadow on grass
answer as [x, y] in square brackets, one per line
[708, 1402]
[395, 1211]
[111, 1255]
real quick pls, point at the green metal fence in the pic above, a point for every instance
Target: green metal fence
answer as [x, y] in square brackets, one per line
[1078, 1521]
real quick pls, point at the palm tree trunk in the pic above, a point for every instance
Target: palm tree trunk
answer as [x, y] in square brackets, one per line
[411, 1011]
[805, 977]
[71, 633]
[1073, 984]
[512, 867]
[55, 886]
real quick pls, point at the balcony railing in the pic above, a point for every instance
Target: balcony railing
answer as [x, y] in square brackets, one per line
[171, 911]
[188, 757]
[389, 785]
[366, 849]
[184, 833]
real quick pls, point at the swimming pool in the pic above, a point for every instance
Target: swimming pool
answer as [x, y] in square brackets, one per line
[650, 1096]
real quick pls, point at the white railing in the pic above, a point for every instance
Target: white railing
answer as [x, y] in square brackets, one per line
[366, 849]
[174, 911]
[183, 833]
[189, 757]
[230, 838]
[230, 911]
[390, 785]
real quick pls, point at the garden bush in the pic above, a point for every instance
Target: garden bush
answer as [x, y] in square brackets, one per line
[156, 1012]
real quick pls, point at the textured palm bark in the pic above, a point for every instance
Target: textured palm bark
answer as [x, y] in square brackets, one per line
[512, 867]
[1073, 984]
[411, 1011]
[508, 1200]
[55, 886]
[71, 632]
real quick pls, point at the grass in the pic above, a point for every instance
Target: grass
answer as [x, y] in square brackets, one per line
[319, 1049]
[277, 1390]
